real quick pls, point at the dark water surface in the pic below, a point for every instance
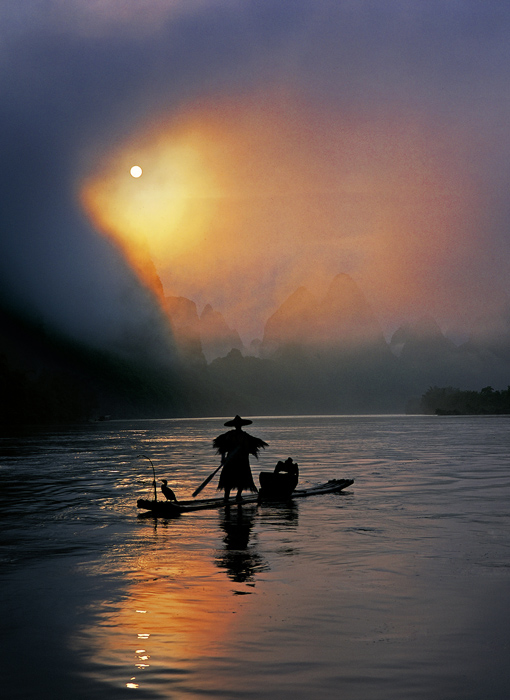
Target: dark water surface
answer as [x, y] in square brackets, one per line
[396, 589]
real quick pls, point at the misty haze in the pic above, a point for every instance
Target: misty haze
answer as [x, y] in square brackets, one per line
[325, 355]
[297, 214]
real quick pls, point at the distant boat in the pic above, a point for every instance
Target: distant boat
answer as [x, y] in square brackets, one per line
[171, 509]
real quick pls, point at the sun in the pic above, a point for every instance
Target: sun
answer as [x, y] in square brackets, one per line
[136, 171]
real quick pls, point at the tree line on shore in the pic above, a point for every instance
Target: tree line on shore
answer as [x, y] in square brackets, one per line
[452, 401]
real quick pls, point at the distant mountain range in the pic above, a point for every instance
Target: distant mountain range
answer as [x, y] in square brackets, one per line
[200, 338]
[342, 319]
[321, 356]
[341, 323]
[331, 355]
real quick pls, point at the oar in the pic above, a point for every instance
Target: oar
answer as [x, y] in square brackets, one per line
[154, 472]
[211, 476]
[204, 483]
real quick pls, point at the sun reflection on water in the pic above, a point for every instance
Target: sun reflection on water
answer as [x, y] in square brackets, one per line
[178, 606]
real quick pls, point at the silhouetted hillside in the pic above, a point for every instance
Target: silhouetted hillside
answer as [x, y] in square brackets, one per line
[342, 320]
[46, 378]
[317, 356]
[450, 401]
[185, 324]
[330, 356]
[292, 324]
[216, 336]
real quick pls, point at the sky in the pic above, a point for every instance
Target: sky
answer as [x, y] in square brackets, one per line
[281, 143]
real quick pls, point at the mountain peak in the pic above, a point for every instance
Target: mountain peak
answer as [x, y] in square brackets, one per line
[343, 318]
[217, 338]
[292, 322]
[346, 316]
[345, 299]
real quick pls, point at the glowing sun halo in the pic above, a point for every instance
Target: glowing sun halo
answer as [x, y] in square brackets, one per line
[136, 171]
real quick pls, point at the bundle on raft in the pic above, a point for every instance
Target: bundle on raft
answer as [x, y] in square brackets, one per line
[280, 483]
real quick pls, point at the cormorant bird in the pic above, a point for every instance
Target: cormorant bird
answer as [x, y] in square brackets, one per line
[167, 491]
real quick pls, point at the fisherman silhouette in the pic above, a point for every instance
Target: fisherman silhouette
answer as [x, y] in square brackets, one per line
[167, 491]
[235, 448]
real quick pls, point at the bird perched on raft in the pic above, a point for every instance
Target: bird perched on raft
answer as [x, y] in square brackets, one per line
[167, 491]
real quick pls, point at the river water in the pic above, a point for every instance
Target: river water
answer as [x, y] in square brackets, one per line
[398, 588]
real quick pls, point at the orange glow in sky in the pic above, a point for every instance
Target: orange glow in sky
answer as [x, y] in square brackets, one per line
[243, 201]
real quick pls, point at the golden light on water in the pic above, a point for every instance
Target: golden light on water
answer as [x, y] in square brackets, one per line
[178, 610]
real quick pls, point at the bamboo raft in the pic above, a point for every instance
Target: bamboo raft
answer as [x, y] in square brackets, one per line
[171, 509]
